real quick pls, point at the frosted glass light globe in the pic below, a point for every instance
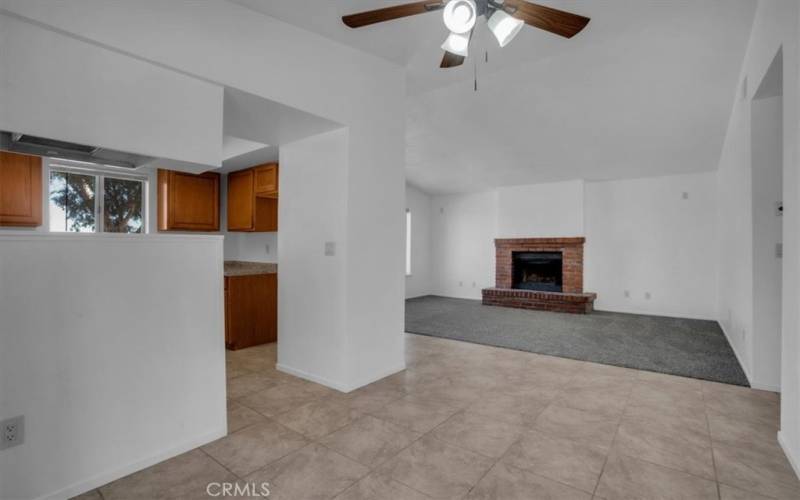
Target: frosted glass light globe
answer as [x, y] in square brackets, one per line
[460, 15]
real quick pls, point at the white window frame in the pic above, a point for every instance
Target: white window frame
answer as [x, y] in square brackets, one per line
[408, 242]
[100, 172]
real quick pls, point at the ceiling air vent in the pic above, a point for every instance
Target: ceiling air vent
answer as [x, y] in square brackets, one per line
[42, 146]
[52, 144]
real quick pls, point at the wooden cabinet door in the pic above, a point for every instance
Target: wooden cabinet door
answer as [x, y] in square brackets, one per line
[267, 180]
[252, 310]
[241, 201]
[188, 202]
[20, 190]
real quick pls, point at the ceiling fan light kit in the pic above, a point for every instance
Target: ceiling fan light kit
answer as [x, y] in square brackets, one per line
[460, 15]
[504, 27]
[457, 43]
[505, 20]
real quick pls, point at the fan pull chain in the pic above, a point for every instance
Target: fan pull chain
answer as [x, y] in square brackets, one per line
[475, 73]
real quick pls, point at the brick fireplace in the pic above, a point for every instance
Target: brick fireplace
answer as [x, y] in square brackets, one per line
[540, 273]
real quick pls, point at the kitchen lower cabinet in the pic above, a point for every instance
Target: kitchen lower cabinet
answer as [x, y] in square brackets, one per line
[251, 310]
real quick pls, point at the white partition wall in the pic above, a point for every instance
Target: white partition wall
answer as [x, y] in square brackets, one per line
[112, 347]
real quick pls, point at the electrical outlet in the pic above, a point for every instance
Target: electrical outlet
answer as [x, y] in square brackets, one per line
[685, 195]
[473, 284]
[13, 432]
[647, 295]
[330, 248]
[460, 283]
[627, 294]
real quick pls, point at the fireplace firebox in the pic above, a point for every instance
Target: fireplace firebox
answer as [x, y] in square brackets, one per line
[537, 271]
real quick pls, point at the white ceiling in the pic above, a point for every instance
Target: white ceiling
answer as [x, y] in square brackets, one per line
[646, 89]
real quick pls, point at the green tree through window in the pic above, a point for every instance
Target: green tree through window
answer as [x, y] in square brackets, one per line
[74, 203]
[74, 194]
[122, 211]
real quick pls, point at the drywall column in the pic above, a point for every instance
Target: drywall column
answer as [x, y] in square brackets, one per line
[767, 153]
[311, 290]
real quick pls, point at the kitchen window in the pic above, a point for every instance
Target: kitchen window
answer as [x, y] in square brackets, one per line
[84, 199]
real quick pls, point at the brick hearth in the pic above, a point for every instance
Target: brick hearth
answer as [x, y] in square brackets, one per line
[572, 299]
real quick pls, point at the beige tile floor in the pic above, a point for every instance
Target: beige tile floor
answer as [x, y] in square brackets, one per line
[477, 422]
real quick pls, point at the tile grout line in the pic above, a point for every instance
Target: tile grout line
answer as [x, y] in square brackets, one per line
[237, 476]
[613, 439]
[710, 441]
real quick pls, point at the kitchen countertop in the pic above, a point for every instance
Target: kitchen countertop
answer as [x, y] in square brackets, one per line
[242, 268]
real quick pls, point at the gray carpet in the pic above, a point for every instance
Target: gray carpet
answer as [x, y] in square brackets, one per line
[686, 347]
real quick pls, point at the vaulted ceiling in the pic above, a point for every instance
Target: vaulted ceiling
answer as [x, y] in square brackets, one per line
[646, 89]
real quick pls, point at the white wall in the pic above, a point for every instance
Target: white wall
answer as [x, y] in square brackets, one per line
[420, 281]
[63, 88]
[112, 347]
[643, 237]
[463, 229]
[540, 210]
[774, 29]
[767, 166]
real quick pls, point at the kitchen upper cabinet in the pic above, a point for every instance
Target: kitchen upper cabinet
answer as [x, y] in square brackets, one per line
[188, 202]
[267, 180]
[20, 190]
[253, 199]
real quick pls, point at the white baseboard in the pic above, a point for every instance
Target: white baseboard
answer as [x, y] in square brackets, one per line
[755, 384]
[791, 455]
[764, 387]
[339, 386]
[380, 375]
[663, 314]
[744, 366]
[93, 482]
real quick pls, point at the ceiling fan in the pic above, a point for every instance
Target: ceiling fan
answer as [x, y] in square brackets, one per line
[505, 19]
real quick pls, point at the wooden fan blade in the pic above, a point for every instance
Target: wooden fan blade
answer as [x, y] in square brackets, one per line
[390, 13]
[451, 60]
[553, 20]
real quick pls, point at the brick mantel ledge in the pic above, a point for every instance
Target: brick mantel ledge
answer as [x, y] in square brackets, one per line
[540, 241]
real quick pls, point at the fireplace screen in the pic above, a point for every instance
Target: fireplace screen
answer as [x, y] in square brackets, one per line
[537, 271]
